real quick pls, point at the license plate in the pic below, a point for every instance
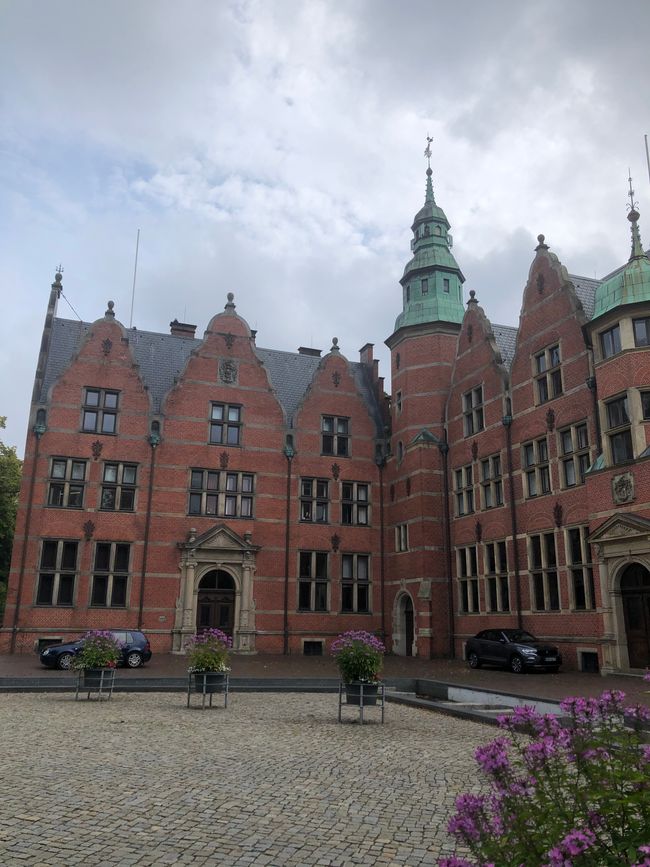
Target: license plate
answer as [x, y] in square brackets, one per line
[550, 658]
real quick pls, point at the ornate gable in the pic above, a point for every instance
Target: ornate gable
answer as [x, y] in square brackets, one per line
[624, 526]
[219, 538]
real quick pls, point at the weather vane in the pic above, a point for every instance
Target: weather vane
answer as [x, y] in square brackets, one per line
[633, 205]
[427, 150]
[59, 269]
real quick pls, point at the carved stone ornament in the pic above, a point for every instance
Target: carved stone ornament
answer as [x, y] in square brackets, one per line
[107, 345]
[336, 471]
[623, 488]
[336, 541]
[96, 449]
[478, 531]
[89, 529]
[228, 371]
[474, 450]
[223, 460]
[558, 514]
[424, 590]
[550, 420]
[540, 283]
[336, 378]
[230, 339]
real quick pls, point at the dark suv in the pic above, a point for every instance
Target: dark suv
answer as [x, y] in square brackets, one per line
[136, 650]
[514, 648]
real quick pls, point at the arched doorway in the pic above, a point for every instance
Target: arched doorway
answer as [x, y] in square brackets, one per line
[403, 625]
[635, 593]
[216, 602]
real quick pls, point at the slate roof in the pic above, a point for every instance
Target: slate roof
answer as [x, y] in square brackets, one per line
[506, 340]
[162, 359]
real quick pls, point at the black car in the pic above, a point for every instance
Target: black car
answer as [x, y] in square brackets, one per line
[514, 648]
[136, 650]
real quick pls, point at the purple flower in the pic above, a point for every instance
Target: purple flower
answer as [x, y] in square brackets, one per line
[493, 757]
[454, 862]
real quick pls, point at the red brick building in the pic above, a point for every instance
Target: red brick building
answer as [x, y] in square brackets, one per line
[173, 482]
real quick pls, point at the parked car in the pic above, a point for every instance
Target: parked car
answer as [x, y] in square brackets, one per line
[136, 650]
[513, 648]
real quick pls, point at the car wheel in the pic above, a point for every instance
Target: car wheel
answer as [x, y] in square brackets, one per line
[65, 661]
[134, 659]
[516, 664]
[473, 660]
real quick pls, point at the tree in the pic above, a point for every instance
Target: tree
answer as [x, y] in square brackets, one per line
[10, 472]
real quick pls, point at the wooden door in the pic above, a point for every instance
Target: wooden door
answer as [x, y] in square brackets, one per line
[635, 589]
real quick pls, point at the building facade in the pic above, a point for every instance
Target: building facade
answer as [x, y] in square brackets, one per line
[173, 483]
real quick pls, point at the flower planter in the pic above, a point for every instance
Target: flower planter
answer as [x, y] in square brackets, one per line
[99, 680]
[209, 682]
[361, 693]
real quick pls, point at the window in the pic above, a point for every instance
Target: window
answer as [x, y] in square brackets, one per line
[468, 579]
[402, 537]
[314, 500]
[398, 403]
[542, 564]
[225, 424]
[548, 375]
[355, 583]
[641, 332]
[574, 446]
[578, 558]
[610, 341]
[313, 581]
[473, 411]
[496, 577]
[491, 482]
[99, 411]
[425, 287]
[645, 405]
[67, 482]
[535, 462]
[110, 575]
[335, 436]
[57, 573]
[228, 495]
[355, 508]
[620, 435]
[118, 488]
[464, 491]
[445, 285]
[400, 451]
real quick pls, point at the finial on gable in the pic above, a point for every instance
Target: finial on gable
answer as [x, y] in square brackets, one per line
[335, 345]
[472, 298]
[540, 243]
[231, 302]
[110, 314]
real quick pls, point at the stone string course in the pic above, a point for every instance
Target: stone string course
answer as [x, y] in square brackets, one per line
[274, 780]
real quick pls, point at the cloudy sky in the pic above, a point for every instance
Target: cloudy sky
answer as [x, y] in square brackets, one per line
[274, 148]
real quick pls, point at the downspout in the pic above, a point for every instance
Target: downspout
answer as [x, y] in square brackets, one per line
[154, 441]
[381, 463]
[443, 446]
[507, 423]
[289, 455]
[39, 430]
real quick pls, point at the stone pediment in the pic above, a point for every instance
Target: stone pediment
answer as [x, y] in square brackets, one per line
[219, 537]
[623, 526]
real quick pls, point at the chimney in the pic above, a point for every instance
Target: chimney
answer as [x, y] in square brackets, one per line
[365, 353]
[182, 329]
[306, 350]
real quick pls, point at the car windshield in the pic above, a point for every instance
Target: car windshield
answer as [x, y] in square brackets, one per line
[521, 636]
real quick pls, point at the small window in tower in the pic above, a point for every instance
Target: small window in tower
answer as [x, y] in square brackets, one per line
[425, 287]
[445, 285]
[438, 230]
[408, 294]
[426, 230]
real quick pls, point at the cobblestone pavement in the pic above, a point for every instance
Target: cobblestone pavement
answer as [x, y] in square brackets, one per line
[272, 780]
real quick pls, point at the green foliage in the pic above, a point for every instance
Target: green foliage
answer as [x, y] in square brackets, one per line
[359, 656]
[101, 650]
[10, 472]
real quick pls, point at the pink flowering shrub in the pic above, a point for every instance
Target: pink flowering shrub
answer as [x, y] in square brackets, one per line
[209, 651]
[359, 656]
[570, 793]
[101, 649]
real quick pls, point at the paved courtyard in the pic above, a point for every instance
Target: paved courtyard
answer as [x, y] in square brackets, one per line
[273, 780]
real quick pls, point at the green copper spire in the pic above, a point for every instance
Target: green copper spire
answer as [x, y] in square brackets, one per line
[631, 283]
[432, 281]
